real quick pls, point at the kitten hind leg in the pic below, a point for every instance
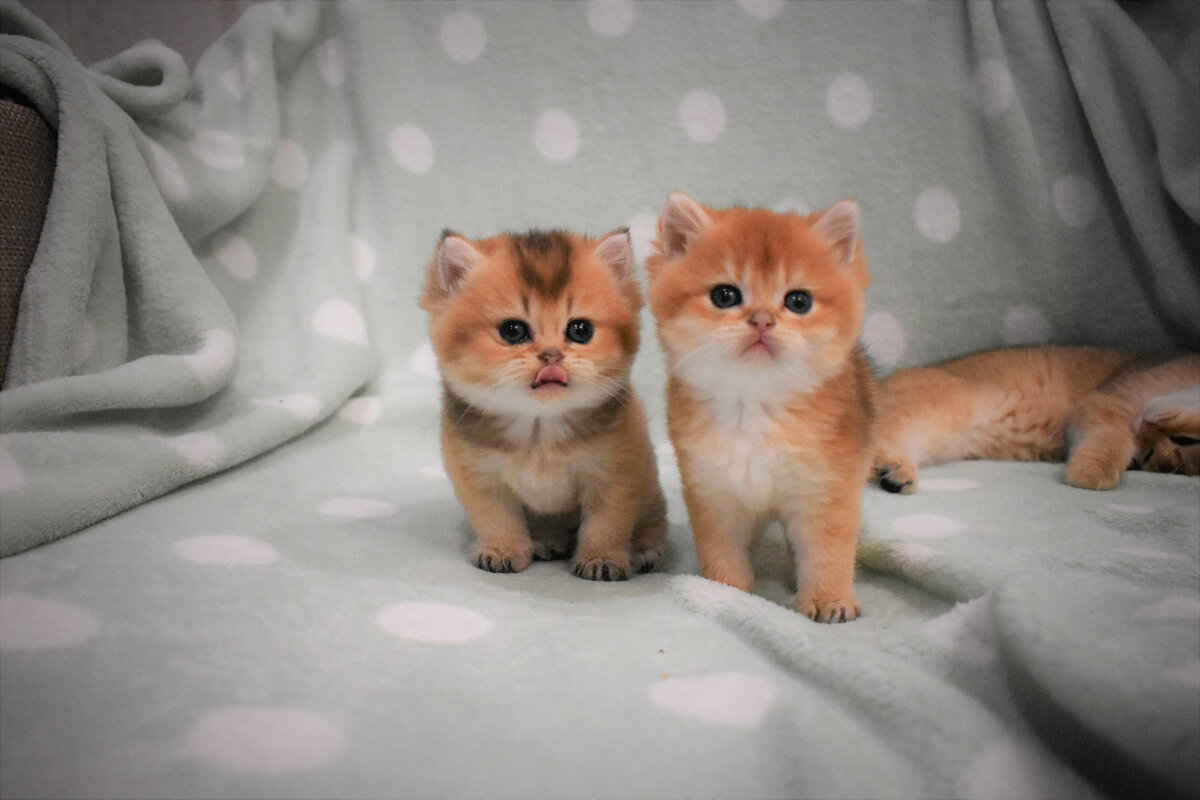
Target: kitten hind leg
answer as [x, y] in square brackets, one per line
[650, 537]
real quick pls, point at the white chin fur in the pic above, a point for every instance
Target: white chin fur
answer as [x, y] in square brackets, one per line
[734, 380]
[519, 399]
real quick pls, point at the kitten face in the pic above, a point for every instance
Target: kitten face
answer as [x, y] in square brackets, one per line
[534, 324]
[1168, 433]
[746, 298]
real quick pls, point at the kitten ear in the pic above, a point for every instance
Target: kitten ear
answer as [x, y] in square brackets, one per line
[455, 259]
[617, 252]
[680, 224]
[841, 224]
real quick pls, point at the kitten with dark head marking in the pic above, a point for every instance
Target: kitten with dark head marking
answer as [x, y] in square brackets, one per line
[769, 397]
[542, 435]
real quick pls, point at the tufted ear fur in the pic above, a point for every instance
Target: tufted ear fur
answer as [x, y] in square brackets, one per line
[841, 224]
[682, 221]
[454, 260]
[616, 251]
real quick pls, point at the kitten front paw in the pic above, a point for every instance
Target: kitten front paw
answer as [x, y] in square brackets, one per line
[599, 568]
[829, 610]
[1092, 473]
[897, 477]
[494, 559]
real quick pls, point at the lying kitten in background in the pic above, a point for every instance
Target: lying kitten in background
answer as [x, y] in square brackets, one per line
[1109, 410]
[542, 436]
[769, 397]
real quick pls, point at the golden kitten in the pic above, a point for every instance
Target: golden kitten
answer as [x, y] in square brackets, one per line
[769, 396]
[542, 436]
[1108, 410]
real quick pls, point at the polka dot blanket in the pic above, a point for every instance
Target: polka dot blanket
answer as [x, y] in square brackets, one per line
[234, 564]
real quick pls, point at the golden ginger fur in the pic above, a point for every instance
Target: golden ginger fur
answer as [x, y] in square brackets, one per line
[769, 407]
[1103, 411]
[542, 436]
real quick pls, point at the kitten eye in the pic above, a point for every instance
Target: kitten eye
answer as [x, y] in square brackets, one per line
[1184, 441]
[513, 331]
[798, 302]
[725, 296]
[580, 331]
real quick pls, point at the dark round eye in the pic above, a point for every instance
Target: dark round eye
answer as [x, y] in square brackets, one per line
[725, 296]
[1184, 441]
[513, 331]
[580, 331]
[798, 302]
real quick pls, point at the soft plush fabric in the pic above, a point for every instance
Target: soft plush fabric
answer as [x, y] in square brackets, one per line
[235, 567]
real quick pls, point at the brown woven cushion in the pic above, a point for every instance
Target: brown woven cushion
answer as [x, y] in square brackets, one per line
[27, 150]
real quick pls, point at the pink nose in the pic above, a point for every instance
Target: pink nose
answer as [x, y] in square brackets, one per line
[762, 320]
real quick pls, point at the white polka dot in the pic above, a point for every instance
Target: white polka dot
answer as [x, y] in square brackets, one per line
[237, 256]
[290, 167]
[12, 477]
[913, 555]
[948, 484]
[363, 410]
[200, 449]
[610, 18]
[1025, 324]
[702, 115]
[218, 149]
[1189, 58]
[433, 623]
[340, 319]
[966, 632]
[424, 362]
[728, 698]
[1186, 675]
[927, 526]
[362, 256]
[1008, 769]
[992, 87]
[33, 623]
[225, 550]
[1175, 607]
[464, 37]
[331, 61]
[937, 215]
[556, 135]
[237, 78]
[884, 338]
[1146, 552]
[266, 741]
[168, 174]
[213, 362]
[411, 148]
[790, 205]
[761, 9]
[848, 101]
[86, 344]
[1126, 509]
[300, 405]
[357, 508]
[1076, 200]
[437, 470]
[643, 230]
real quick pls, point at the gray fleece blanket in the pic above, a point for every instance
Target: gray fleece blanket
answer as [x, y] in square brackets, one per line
[234, 566]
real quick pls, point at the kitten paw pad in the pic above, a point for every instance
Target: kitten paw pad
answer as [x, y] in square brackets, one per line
[829, 611]
[496, 561]
[600, 569]
[897, 478]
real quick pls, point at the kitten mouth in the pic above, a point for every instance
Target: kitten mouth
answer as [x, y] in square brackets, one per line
[758, 348]
[551, 374]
